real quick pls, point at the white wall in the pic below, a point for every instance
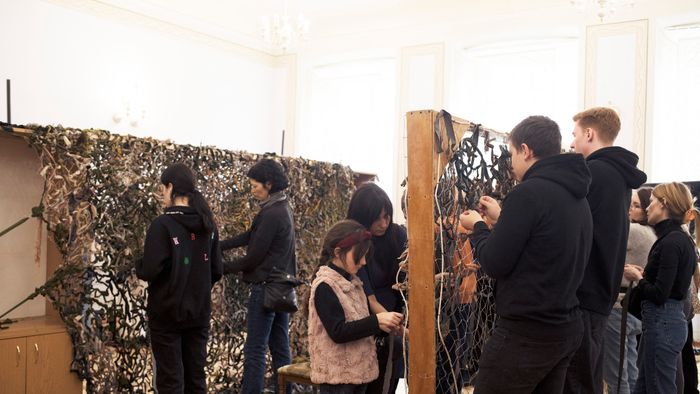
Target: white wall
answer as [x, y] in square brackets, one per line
[78, 69]
[467, 25]
[23, 249]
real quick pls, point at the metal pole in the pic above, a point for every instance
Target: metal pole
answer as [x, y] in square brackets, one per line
[9, 107]
[282, 151]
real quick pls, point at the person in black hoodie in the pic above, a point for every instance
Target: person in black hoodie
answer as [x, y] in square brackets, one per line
[181, 263]
[614, 174]
[270, 245]
[536, 253]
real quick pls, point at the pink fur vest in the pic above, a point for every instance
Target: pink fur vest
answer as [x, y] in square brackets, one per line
[341, 363]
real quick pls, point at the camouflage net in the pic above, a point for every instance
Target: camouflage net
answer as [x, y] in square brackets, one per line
[101, 193]
[464, 303]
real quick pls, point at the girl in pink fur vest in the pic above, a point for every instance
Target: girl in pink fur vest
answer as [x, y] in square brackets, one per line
[341, 329]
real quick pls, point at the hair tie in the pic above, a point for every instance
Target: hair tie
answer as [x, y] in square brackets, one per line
[353, 239]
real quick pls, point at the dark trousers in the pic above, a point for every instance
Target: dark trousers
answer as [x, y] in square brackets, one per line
[690, 368]
[585, 373]
[376, 386]
[512, 363]
[180, 357]
[343, 388]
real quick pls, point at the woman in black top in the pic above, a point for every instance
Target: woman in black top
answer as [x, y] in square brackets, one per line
[270, 245]
[181, 263]
[371, 207]
[663, 285]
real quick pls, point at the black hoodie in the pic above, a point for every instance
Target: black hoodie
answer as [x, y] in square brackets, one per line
[614, 174]
[181, 263]
[538, 250]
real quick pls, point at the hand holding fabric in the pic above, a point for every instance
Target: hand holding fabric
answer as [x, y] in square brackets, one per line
[489, 207]
[469, 218]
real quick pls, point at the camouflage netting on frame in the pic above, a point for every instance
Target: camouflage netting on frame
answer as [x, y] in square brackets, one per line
[465, 310]
[101, 194]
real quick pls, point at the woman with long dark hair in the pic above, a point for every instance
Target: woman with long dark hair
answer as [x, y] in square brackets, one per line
[181, 263]
[371, 207]
[664, 284]
[270, 246]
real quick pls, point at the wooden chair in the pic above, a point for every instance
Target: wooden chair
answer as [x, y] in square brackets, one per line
[295, 373]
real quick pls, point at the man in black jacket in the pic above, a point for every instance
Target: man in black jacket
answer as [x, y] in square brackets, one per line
[614, 175]
[536, 252]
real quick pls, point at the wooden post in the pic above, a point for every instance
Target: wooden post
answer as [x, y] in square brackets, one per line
[426, 164]
[421, 251]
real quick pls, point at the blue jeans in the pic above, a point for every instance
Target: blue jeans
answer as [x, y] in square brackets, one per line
[611, 363]
[264, 329]
[663, 336]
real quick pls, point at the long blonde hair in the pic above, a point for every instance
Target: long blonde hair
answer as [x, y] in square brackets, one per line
[676, 197]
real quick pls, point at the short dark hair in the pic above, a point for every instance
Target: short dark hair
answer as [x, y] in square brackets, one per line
[268, 170]
[540, 134]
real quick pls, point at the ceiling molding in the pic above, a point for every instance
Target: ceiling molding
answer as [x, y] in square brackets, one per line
[169, 23]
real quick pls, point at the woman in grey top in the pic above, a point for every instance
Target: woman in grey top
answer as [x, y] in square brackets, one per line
[641, 238]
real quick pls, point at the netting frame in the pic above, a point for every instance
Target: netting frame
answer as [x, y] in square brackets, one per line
[429, 150]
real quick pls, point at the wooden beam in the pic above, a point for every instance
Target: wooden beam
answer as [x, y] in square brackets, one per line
[421, 251]
[15, 130]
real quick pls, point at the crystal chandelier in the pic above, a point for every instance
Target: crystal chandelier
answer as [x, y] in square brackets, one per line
[603, 7]
[282, 31]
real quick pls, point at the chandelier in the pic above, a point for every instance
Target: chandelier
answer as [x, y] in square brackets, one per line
[282, 31]
[603, 7]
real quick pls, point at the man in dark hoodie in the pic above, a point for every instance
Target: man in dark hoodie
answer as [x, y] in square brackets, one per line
[614, 174]
[536, 252]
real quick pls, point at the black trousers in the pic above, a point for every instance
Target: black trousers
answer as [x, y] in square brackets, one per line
[376, 386]
[585, 373]
[180, 357]
[513, 363]
[690, 368]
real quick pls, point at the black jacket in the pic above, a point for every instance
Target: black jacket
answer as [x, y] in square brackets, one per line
[270, 242]
[670, 266]
[383, 265]
[538, 250]
[614, 175]
[181, 263]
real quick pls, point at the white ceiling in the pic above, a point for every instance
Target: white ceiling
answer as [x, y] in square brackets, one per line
[238, 21]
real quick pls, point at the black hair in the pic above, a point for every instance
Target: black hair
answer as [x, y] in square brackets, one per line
[540, 134]
[644, 194]
[268, 170]
[184, 185]
[337, 233]
[367, 203]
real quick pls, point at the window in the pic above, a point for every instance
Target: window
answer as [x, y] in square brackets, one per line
[676, 132]
[351, 117]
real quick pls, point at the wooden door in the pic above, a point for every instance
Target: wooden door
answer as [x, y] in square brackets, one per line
[48, 365]
[13, 363]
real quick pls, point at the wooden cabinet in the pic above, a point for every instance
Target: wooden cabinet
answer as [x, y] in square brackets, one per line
[13, 355]
[35, 357]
